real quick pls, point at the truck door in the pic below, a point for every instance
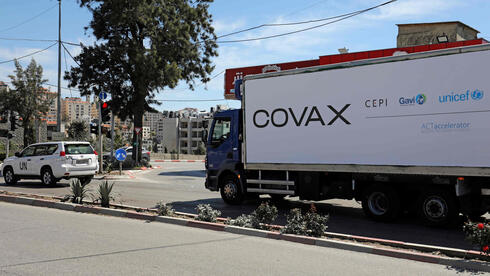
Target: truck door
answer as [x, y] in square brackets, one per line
[220, 143]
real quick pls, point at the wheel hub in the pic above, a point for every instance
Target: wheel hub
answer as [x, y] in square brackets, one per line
[47, 177]
[229, 190]
[8, 176]
[435, 207]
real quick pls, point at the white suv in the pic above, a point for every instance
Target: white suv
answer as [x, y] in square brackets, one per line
[51, 162]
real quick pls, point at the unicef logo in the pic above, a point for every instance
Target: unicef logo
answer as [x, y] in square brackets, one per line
[420, 99]
[477, 95]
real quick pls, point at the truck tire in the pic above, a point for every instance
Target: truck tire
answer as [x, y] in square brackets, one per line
[437, 208]
[381, 203]
[9, 176]
[47, 177]
[231, 191]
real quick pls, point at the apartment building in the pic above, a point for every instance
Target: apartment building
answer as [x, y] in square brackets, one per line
[75, 109]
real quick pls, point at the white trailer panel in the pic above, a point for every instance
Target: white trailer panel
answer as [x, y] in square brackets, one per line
[423, 112]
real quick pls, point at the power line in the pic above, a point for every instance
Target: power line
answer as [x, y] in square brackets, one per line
[62, 44]
[31, 54]
[28, 20]
[200, 100]
[340, 18]
[28, 39]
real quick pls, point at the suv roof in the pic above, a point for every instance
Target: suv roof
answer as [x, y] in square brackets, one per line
[55, 143]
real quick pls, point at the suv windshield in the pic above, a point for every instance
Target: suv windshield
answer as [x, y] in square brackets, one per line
[78, 149]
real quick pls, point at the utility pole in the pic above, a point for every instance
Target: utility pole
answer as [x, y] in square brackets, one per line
[7, 146]
[101, 154]
[112, 134]
[58, 108]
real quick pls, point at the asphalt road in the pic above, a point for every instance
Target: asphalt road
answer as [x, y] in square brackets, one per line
[41, 241]
[182, 184]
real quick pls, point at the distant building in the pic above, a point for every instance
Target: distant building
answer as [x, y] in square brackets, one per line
[75, 109]
[433, 33]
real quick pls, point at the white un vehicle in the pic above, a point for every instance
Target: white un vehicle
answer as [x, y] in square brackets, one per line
[51, 162]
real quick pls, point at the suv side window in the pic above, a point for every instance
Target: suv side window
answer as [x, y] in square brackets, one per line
[27, 152]
[51, 149]
[40, 150]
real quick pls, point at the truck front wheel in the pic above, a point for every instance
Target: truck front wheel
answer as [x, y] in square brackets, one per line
[381, 203]
[231, 191]
[437, 208]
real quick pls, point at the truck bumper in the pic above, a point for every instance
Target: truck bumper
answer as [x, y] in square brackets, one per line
[211, 182]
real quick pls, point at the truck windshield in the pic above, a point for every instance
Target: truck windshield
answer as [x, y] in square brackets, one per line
[221, 130]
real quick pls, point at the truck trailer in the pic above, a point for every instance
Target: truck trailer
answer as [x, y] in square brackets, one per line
[409, 132]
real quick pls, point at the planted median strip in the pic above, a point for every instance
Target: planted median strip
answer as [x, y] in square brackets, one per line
[207, 218]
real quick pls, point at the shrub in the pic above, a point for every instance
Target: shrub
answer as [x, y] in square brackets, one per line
[295, 223]
[78, 191]
[315, 223]
[206, 213]
[104, 194]
[262, 216]
[242, 221]
[164, 209]
[478, 234]
[311, 224]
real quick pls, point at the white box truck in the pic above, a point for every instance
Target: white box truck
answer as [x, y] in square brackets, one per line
[408, 132]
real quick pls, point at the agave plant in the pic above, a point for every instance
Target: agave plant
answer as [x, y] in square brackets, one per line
[78, 191]
[104, 193]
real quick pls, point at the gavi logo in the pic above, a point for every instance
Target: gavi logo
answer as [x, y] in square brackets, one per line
[419, 99]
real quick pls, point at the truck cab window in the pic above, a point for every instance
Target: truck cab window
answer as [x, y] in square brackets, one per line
[221, 130]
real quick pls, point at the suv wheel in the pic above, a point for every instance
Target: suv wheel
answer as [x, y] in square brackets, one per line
[47, 177]
[9, 176]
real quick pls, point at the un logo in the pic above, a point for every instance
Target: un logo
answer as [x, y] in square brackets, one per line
[477, 95]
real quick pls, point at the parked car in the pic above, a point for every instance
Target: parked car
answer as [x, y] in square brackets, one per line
[51, 162]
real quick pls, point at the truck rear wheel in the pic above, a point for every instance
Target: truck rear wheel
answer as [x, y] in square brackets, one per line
[381, 203]
[437, 208]
[231, 191]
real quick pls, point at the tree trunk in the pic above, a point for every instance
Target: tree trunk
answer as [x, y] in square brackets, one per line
[139, 110]
[28, 133]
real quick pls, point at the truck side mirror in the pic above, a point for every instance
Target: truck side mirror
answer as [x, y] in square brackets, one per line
[17, 154]
[204, 136]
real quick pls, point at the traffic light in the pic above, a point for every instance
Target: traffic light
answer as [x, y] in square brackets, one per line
[13, 122]
[93, 128]
[4, 132]
[106, 111]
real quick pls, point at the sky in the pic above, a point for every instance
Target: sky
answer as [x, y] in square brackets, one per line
[376, 29]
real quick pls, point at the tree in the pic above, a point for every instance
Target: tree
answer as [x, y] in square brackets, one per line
[78, 131]
[27, 99]
[142, 48]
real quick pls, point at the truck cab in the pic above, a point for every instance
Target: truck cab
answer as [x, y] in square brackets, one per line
[223, 153]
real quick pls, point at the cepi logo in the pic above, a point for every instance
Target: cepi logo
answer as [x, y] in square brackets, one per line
[474, 95]
[419, 99]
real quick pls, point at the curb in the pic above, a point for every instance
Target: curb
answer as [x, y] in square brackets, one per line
[174, 160]
[322, 242]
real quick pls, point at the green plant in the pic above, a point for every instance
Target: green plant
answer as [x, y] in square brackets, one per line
[164, 209]
[311, 224]
[241, 221]
[104, 194]
[78, 191]
[264, 215]
[478, 234]
[315, 224]
[295, 223]
[206, 213]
